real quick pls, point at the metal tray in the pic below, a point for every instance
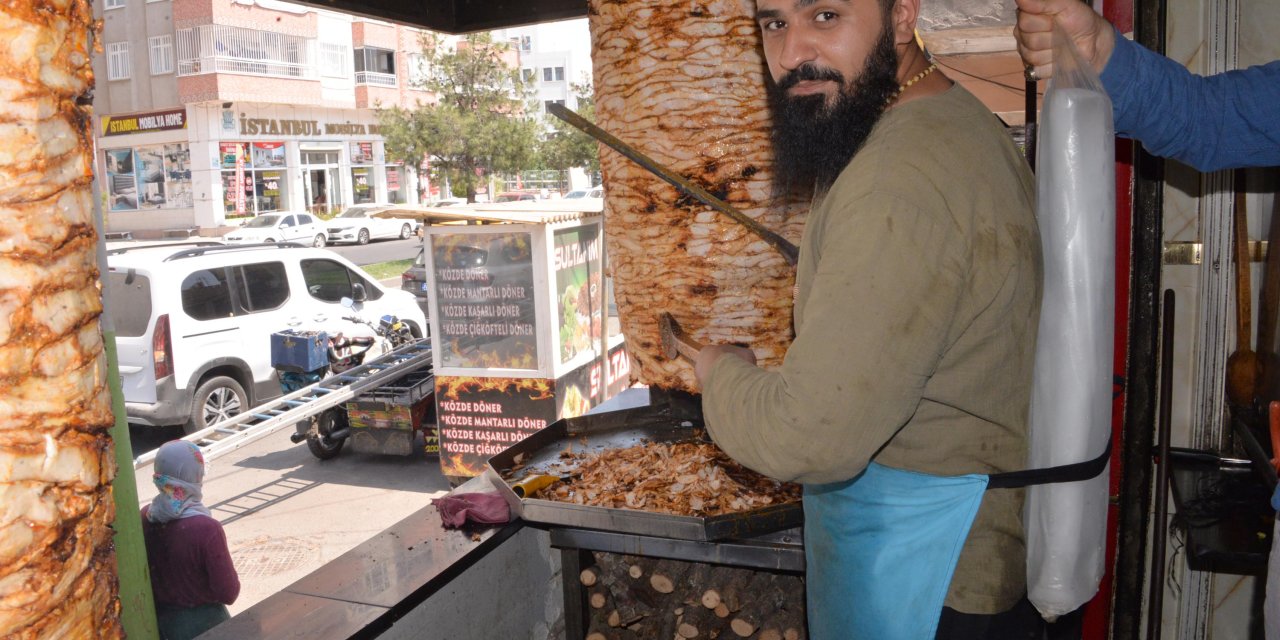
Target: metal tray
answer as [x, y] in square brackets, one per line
[621, 429]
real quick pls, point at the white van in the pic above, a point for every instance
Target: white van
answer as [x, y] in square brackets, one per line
[194, 321]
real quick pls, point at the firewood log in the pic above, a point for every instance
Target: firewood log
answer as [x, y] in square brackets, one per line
[589, 576]
[742, 586]
[667, 574]
[721, 581]
[766, 595]
[633, 599]
[701, 622]
[598, 600]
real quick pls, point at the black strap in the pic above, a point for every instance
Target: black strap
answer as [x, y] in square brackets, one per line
[1073, 472]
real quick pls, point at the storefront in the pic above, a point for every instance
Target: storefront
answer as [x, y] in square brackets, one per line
[208, 167]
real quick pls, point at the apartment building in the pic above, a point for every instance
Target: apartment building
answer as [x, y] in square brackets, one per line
[553, 57]
[213, 111]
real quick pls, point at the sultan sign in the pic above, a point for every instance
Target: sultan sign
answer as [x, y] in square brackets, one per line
[144, 122]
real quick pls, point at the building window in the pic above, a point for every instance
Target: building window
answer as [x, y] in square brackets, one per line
[417, 70]
[546, 104]
[546, 74]
[113, 4]
[118, 67]
[528, 75]
[216, 48]
[161, 54]
[526, 43]
[559, 74]
[376, 66]
[333, 60]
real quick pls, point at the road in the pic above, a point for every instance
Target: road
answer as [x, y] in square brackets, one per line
[378, 250]
[286, 513]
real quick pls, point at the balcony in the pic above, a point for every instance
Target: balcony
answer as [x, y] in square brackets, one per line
[376, 79]
[225, 49]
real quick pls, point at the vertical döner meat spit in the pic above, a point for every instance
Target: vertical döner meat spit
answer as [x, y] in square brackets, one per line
[685, 85]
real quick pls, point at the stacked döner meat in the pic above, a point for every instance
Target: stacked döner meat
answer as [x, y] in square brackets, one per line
[57, 571]
[682, 478]
[684, 82]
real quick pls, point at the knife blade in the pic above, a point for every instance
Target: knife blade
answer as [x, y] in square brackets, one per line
[789, 251]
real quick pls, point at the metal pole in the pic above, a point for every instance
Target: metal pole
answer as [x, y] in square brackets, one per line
[1155, 597]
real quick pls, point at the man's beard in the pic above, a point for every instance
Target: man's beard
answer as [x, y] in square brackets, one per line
[813, 141]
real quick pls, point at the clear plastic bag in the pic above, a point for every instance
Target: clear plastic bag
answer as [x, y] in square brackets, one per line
[1071, 394]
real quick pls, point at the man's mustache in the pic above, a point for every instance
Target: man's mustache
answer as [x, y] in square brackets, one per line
[809, 71]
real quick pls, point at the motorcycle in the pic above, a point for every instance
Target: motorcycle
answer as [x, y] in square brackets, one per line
[327, 432]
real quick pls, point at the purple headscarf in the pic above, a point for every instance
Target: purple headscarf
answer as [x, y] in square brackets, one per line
[179, 472]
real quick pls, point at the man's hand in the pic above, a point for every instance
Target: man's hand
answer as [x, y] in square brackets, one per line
[708, 355]
[1091, 33]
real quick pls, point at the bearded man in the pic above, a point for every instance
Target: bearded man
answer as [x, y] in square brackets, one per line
[905, 394]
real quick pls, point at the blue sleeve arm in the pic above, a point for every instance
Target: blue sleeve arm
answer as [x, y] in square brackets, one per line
[1223, 121]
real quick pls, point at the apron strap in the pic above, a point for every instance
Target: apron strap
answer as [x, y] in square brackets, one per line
[1073, 472]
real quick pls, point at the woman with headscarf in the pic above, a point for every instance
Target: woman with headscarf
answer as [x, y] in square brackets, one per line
[191, 571]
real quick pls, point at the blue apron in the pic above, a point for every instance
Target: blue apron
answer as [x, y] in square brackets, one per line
[880, 549]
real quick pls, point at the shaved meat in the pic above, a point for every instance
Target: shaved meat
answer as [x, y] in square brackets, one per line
[57, 569]
[684, 479]
[684, 82]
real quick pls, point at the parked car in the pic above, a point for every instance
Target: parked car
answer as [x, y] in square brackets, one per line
[194, 321]
[358, 225]
[278, 227]
[516, 196]
[594, 192]
[414, 279]
[447, 202]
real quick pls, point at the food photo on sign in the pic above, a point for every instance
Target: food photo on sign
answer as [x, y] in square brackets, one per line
[578, 288]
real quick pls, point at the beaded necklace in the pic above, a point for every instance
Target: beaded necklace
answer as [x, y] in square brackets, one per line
[919, 76]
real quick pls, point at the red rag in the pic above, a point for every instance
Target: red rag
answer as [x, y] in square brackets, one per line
[479, 508]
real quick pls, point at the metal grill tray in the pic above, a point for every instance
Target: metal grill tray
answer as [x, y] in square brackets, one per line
[612, 430]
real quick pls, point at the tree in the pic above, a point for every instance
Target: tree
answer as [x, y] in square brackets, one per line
[477, 124]
[565, 146]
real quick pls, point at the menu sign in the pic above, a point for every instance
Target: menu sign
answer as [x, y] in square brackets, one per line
[485, 300]
[578, 289]
[480, 417]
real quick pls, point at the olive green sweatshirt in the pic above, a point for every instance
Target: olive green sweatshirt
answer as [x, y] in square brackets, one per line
[917, 301]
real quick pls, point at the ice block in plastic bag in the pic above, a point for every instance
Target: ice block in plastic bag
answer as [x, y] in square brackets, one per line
[1071, 393]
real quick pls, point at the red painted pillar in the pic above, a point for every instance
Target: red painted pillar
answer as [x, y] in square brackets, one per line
[1097, 616]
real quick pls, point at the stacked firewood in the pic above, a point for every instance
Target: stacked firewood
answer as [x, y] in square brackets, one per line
[633, 597]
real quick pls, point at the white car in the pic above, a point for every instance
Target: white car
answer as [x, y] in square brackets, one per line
[278, 227]
[358, 225]
[194, 321]
[594, 192]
